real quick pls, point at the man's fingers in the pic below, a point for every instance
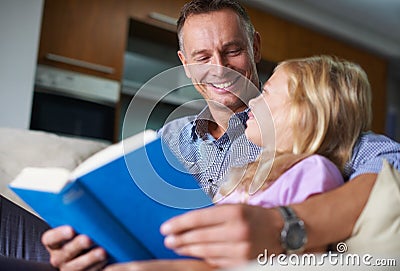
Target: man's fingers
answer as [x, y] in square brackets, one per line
[197, 218]
[95, 259]
[240, 250]
[70, 250]
[193, 237]
[201, 218]
[228, 232]
[55, 238]
[164, 265]
[226, 262]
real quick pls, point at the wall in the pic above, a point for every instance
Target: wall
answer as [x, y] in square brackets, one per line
[393, 100]
[19, 34]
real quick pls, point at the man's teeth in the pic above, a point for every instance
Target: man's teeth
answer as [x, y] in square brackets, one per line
[223, 85]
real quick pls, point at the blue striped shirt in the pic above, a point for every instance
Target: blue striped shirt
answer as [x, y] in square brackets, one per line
[207, 158]
[369, 152]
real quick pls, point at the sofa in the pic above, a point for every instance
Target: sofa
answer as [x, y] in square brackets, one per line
[377, 230]
[18, 149]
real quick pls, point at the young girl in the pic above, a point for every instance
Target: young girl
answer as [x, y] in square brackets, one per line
[319, 106]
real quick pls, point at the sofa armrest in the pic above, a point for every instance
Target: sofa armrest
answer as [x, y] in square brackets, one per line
[12, 264]
[20, 233]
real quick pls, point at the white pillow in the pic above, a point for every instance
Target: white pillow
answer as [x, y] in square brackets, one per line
[377, 230]
[21, 148]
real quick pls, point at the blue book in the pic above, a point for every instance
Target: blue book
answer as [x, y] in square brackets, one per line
[119, 197]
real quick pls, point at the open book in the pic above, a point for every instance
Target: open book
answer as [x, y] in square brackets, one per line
[119, 197]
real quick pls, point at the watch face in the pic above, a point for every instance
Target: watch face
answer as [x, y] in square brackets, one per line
[295, 236]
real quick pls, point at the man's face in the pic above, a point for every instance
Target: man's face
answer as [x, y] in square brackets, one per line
[218, 43]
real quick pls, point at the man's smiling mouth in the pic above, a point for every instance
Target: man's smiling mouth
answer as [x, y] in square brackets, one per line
[226, 84]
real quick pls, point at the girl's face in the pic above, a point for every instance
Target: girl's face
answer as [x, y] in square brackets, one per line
[274, 98]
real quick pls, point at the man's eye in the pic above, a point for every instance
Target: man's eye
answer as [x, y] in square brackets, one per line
[233, 52]
[202, 59]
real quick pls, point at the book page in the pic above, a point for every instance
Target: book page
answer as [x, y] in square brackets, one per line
[47, 179]
[113, 152]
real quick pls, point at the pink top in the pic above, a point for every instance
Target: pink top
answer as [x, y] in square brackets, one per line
[314, 174]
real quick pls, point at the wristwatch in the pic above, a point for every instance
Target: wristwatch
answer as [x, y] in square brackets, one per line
[293, 234]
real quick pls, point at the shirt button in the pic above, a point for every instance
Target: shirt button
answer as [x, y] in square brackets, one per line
[210, 180]
[220, 148]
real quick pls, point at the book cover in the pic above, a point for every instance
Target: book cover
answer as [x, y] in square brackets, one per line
[119, 197]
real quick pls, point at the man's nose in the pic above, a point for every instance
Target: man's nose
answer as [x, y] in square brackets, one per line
[219, 65]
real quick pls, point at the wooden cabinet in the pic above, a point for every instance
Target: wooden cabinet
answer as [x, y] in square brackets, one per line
[93, 34]
[90, 36]
[161, 13]
[85, 36]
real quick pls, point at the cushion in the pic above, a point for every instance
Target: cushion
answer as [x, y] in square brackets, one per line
[21, 148]
[377, 230]
[376, 233]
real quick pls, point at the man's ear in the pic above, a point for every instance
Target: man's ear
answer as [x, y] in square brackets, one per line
[257, 47]
[182, 58]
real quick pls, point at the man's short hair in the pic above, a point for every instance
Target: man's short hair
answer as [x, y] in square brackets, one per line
[205, 6]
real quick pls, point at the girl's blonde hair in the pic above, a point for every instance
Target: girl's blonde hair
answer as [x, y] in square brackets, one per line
[330, 106]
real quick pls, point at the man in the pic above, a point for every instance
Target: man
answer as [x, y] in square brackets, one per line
[209, 42]
[227, 235]
[219, 47]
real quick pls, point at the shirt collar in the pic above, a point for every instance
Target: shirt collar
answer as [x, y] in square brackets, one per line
[200, 124]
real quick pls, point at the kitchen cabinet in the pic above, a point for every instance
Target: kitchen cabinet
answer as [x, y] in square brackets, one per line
[90, 36]
[96, 32]
[84, 36]
[160, 13]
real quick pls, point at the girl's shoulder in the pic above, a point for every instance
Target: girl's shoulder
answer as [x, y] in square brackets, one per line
[317, 160]
[317, 166]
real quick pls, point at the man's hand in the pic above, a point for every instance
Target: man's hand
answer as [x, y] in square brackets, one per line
[68, 250]
[225, 235]
[164, 265]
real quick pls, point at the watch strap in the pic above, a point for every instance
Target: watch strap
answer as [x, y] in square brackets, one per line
[287, 212]
[290, 218]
